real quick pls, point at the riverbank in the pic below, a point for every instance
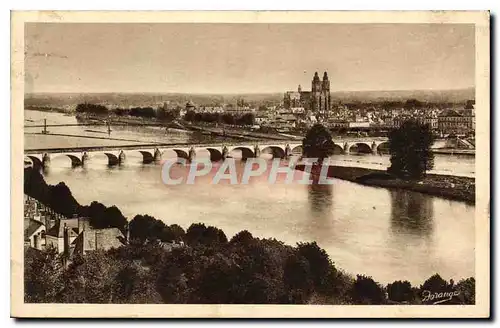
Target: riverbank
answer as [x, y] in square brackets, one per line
[449, 187]
[49, 109]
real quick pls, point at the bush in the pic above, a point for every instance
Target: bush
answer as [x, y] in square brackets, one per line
[401, 292]
[366, 291]
[410, 150]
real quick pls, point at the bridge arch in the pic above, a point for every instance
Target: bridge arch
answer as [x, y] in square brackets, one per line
[215, 154]
[383, 147]
[37, 162]
[297, 150]
[245, 152]
[75, 161]
[337, 149]
[147, 157]
[112, 159]
[276, 151]
[181, 153]
[360, 148]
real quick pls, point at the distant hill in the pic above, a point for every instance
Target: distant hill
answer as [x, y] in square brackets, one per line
[435, 96]
[67, 100]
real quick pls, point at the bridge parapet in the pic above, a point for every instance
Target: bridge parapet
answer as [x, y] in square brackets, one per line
[153, 152]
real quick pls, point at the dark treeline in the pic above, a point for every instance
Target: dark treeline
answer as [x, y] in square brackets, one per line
[60, 199]
[411, 103]
[137, 112]
[211, 269]
[171, 114]
[148, 112]
[206, 268]
[91, 108]
[226, 118]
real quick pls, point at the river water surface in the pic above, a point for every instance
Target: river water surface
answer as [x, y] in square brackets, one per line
[389, 235]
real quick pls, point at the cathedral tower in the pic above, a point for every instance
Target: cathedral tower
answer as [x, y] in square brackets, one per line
[316, 87]
[326, 92]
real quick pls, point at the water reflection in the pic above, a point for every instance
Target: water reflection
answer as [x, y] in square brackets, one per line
[320, 197]
[411, 213]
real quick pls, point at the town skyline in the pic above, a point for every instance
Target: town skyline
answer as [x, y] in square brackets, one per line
[246, 58]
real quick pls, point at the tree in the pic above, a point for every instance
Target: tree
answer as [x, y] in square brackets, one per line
[91, 108]
[198, 233]
[467, 289]
[35, 185]
[412, 103]
[401, 291]
[319, 262]
[298, 279]
[62, 201]
[102, 217]
[318, 143]
[410, 150]
[366, 291]
[243, 237]
[470, 104]
[140, 228]
[91, 279]
[436, 284]
[42, 276]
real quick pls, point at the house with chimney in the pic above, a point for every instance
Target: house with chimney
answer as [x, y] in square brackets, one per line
[63, 228]
[97, 239]
[76, 236]
[34, 234]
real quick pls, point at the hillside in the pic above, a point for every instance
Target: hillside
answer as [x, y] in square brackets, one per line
[142, 99]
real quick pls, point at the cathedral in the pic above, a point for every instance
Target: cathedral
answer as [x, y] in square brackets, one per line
[316, 100]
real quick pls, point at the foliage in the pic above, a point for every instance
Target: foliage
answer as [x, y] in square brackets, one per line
[102, 217]
[91, 108]
[226, 118]
[60, 199]
[198, 233]
[207, 269]
[42, 276]
[298, 279]
[467, 289]
[143, 112]
[410, 150]
[469, 104]
[436, 284]
[366, 291]
[243, 238]
[318, 143]
[256, 271]
[401, 292]
[146, 228]
[319, 263]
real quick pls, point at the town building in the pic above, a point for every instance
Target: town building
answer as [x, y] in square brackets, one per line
[34, 234]
[316, 100]
[452, 121]
[70, 228]
[43, 230]
[97, 239]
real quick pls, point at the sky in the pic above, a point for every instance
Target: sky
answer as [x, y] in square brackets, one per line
[245, 58]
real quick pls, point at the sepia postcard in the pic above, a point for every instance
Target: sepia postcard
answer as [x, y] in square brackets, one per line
[250, 164]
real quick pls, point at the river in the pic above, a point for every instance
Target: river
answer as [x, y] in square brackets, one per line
[389, 235]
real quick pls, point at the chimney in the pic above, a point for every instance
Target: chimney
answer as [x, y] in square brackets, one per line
[36, 241]
[83, 224]
[66, 241]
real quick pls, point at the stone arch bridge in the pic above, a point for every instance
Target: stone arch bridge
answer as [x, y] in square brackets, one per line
[152, 153]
